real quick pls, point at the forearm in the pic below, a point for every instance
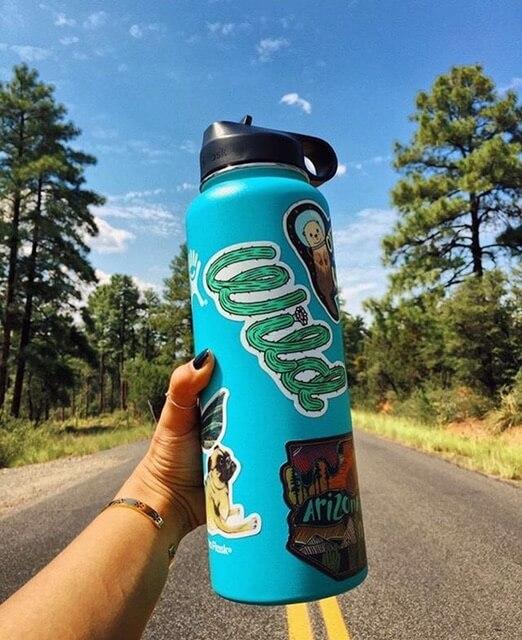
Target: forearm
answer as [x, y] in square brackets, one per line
[105, 584]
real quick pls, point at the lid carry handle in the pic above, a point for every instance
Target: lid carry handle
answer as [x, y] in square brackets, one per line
[322, 156]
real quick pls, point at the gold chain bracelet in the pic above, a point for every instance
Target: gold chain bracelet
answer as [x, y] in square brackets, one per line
[150, 513]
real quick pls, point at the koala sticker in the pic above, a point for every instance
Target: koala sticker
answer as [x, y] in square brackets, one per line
[308, 230]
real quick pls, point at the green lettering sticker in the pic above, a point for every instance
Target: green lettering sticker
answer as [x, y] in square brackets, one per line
[249, 283]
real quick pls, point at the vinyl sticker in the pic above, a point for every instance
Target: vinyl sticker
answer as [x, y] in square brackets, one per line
[249, 283]
[308, 230]
[325, 520]
[221, 471]
[194, 267]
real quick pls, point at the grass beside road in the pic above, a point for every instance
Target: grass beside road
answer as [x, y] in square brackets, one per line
[23, 443]
[491, 454]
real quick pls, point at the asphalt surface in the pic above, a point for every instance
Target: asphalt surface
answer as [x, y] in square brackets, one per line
[444, 546]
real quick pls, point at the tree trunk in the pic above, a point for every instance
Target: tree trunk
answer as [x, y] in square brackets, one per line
[113, 378]
[101, 383]
[123, 399]
[25, 334]
[30, 401]
[11, 276]
[9, 298]
[476, 249]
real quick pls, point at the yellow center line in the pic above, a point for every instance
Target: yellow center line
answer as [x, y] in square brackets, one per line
[299, 626]
[333, 618]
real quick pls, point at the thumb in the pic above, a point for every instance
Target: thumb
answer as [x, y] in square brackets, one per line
[180, 412]
[188, 380]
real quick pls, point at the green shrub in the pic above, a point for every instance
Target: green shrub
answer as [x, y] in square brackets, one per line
[441, 406]
[148, 382]
[21, 442]
[489, 454]
[19, 437]
[509, 412]
[419, 406]
[460, 403]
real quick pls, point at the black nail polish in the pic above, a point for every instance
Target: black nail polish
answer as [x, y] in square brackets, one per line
[200, 359]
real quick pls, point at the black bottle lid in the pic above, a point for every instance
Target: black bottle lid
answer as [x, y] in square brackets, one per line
[228, 144]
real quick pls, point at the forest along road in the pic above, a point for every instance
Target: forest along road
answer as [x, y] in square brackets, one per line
[443, 543]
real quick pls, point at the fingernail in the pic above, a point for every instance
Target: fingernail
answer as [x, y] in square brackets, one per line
[200, 359]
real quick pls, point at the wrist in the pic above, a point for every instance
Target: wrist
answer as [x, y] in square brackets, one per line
[142, 485]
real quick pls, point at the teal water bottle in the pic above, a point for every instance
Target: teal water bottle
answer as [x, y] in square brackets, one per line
[283, 509]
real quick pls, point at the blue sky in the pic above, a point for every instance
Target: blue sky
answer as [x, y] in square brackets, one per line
[143, 80]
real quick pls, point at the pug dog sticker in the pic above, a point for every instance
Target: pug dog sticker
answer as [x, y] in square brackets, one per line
[222, 469]
[223, 516]
[308, 230]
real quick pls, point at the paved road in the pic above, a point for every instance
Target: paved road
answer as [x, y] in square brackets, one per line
[444, 547]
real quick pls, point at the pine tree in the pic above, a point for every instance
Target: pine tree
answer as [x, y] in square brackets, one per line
[354, 333]
[175, 318]
[113, 311]
[23, 101]
[150, 339]
[459, 199]
[480, 333]
[45, 207]
[404, 347]
[57, 223]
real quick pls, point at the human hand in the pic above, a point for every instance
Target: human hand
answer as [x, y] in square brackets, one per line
[169, 478]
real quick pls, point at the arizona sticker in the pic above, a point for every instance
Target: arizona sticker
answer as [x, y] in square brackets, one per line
[325, 520]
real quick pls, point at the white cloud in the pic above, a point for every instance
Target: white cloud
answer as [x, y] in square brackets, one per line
[141, 216]
[360, 273]
[104, 133]
[143, 285]
[227, 28]
[293, 99]
[95, 20]
[267, 47]
[366, 225]
[136, 31]
[110, 239]
[69, 40]
[10, 14]
[341, 169]
[152, 153]
[103, 51]
[28, 53]
[221, 28]
[360, 165]
[189, 146]
[186, 186]
[122, 68]
[134, 195]
[61, 20]
[514, 84]
[192, 39]
[77, 55]
[104, 278]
